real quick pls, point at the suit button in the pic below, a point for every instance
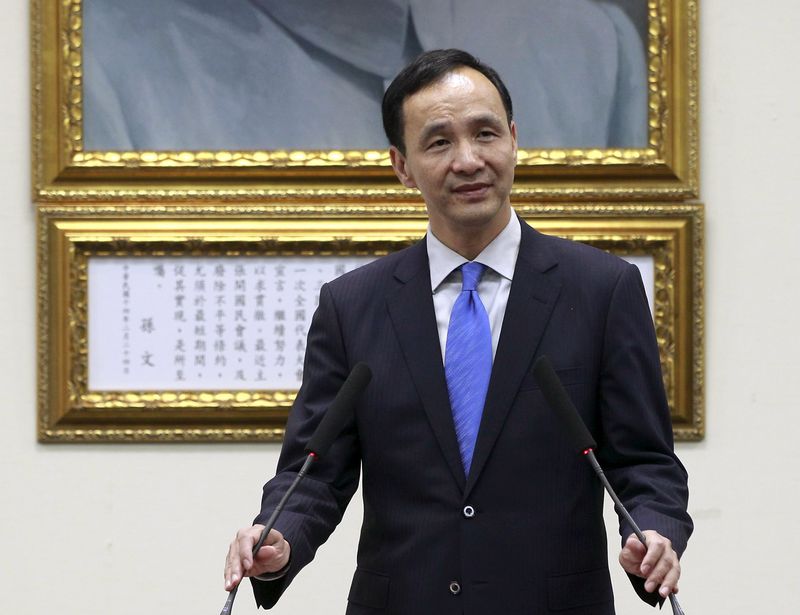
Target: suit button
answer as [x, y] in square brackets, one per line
[455, 588]
[469, 512]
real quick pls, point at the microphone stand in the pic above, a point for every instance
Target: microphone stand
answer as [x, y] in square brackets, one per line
[589, 453]
[338, 413]
[582, 440]
[226, 610]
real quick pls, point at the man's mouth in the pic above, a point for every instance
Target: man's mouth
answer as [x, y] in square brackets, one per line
[474, 189]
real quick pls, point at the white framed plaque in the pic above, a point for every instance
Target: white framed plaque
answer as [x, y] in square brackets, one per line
[203, 323]
[164, 324]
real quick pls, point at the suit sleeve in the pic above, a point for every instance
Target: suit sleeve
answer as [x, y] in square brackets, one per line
[319, 502]
[636, 447]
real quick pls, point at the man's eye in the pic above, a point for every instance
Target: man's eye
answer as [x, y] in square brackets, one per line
[486, 134]
[437, 143]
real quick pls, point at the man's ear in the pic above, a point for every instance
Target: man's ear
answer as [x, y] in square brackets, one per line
[513, 128]
[401, 168]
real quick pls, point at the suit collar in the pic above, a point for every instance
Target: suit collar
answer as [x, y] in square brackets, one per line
[533, 295]
[534, 290]
[414, 320]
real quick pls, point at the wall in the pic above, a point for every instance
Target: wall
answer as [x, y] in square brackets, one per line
[123, 530]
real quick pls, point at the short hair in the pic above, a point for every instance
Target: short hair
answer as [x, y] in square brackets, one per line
[426, 69]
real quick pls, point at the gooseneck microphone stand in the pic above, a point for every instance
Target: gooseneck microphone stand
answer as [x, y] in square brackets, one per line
[589, 453]
[226, 610]
[336, 417]
[559, 401]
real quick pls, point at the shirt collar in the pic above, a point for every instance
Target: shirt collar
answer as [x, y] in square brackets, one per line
[500, 255]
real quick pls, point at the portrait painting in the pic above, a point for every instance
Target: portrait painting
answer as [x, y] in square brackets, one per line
[262, 75]
[257, 100]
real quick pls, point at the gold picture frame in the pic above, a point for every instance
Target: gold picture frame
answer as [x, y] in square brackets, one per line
[68, 236]
[65, 171]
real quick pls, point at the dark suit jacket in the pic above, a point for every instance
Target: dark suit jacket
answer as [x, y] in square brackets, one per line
[536, 543]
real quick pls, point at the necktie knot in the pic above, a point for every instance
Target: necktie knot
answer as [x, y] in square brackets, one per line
[471, 274]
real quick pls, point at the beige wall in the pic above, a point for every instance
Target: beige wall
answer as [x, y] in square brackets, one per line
[120, 530]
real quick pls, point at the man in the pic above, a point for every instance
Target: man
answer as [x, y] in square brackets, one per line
[492, 513]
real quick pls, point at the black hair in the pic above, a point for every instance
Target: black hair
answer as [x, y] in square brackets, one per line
[426, 69]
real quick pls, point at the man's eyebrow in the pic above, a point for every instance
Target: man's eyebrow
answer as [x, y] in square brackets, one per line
[482, 119]
[487, 118]
[433, 128]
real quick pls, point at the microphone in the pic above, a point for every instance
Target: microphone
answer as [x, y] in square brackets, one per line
[331, 425]
[339, 411]
[556, 396]
[560, 402]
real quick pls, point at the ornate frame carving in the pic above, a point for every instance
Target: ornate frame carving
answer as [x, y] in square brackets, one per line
[69, 234]
[63, 171]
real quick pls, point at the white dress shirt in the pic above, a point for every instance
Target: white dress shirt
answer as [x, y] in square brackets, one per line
[500, 258]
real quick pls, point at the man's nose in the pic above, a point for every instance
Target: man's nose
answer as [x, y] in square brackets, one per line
[467, 159]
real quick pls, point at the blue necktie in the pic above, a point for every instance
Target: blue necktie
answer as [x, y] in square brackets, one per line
[468, 360]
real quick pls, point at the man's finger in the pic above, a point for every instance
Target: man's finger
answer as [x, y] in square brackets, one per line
[655, 551]
[274, 553]
[240, 555]
[274, 537]
[247, 538]
[233, 571]
[656, 562]
[670, 583]
[665, 574]
[243, 549]
[630, 558]
[658, 573]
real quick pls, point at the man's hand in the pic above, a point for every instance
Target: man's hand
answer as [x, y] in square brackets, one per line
[657, 562]
[271, 557]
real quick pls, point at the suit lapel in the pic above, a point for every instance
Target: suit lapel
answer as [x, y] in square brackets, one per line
[414, 320]
[533, 294]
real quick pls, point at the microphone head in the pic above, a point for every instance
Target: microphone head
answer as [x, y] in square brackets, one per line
[559, 401]
[340, 410]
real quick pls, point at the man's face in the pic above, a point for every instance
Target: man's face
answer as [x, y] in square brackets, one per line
[460, 154]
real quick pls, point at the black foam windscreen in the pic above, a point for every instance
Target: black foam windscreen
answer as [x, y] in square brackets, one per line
[559, 401]
[340, 410]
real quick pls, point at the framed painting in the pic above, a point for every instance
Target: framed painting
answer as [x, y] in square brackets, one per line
[188, 323]
[266, 100]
